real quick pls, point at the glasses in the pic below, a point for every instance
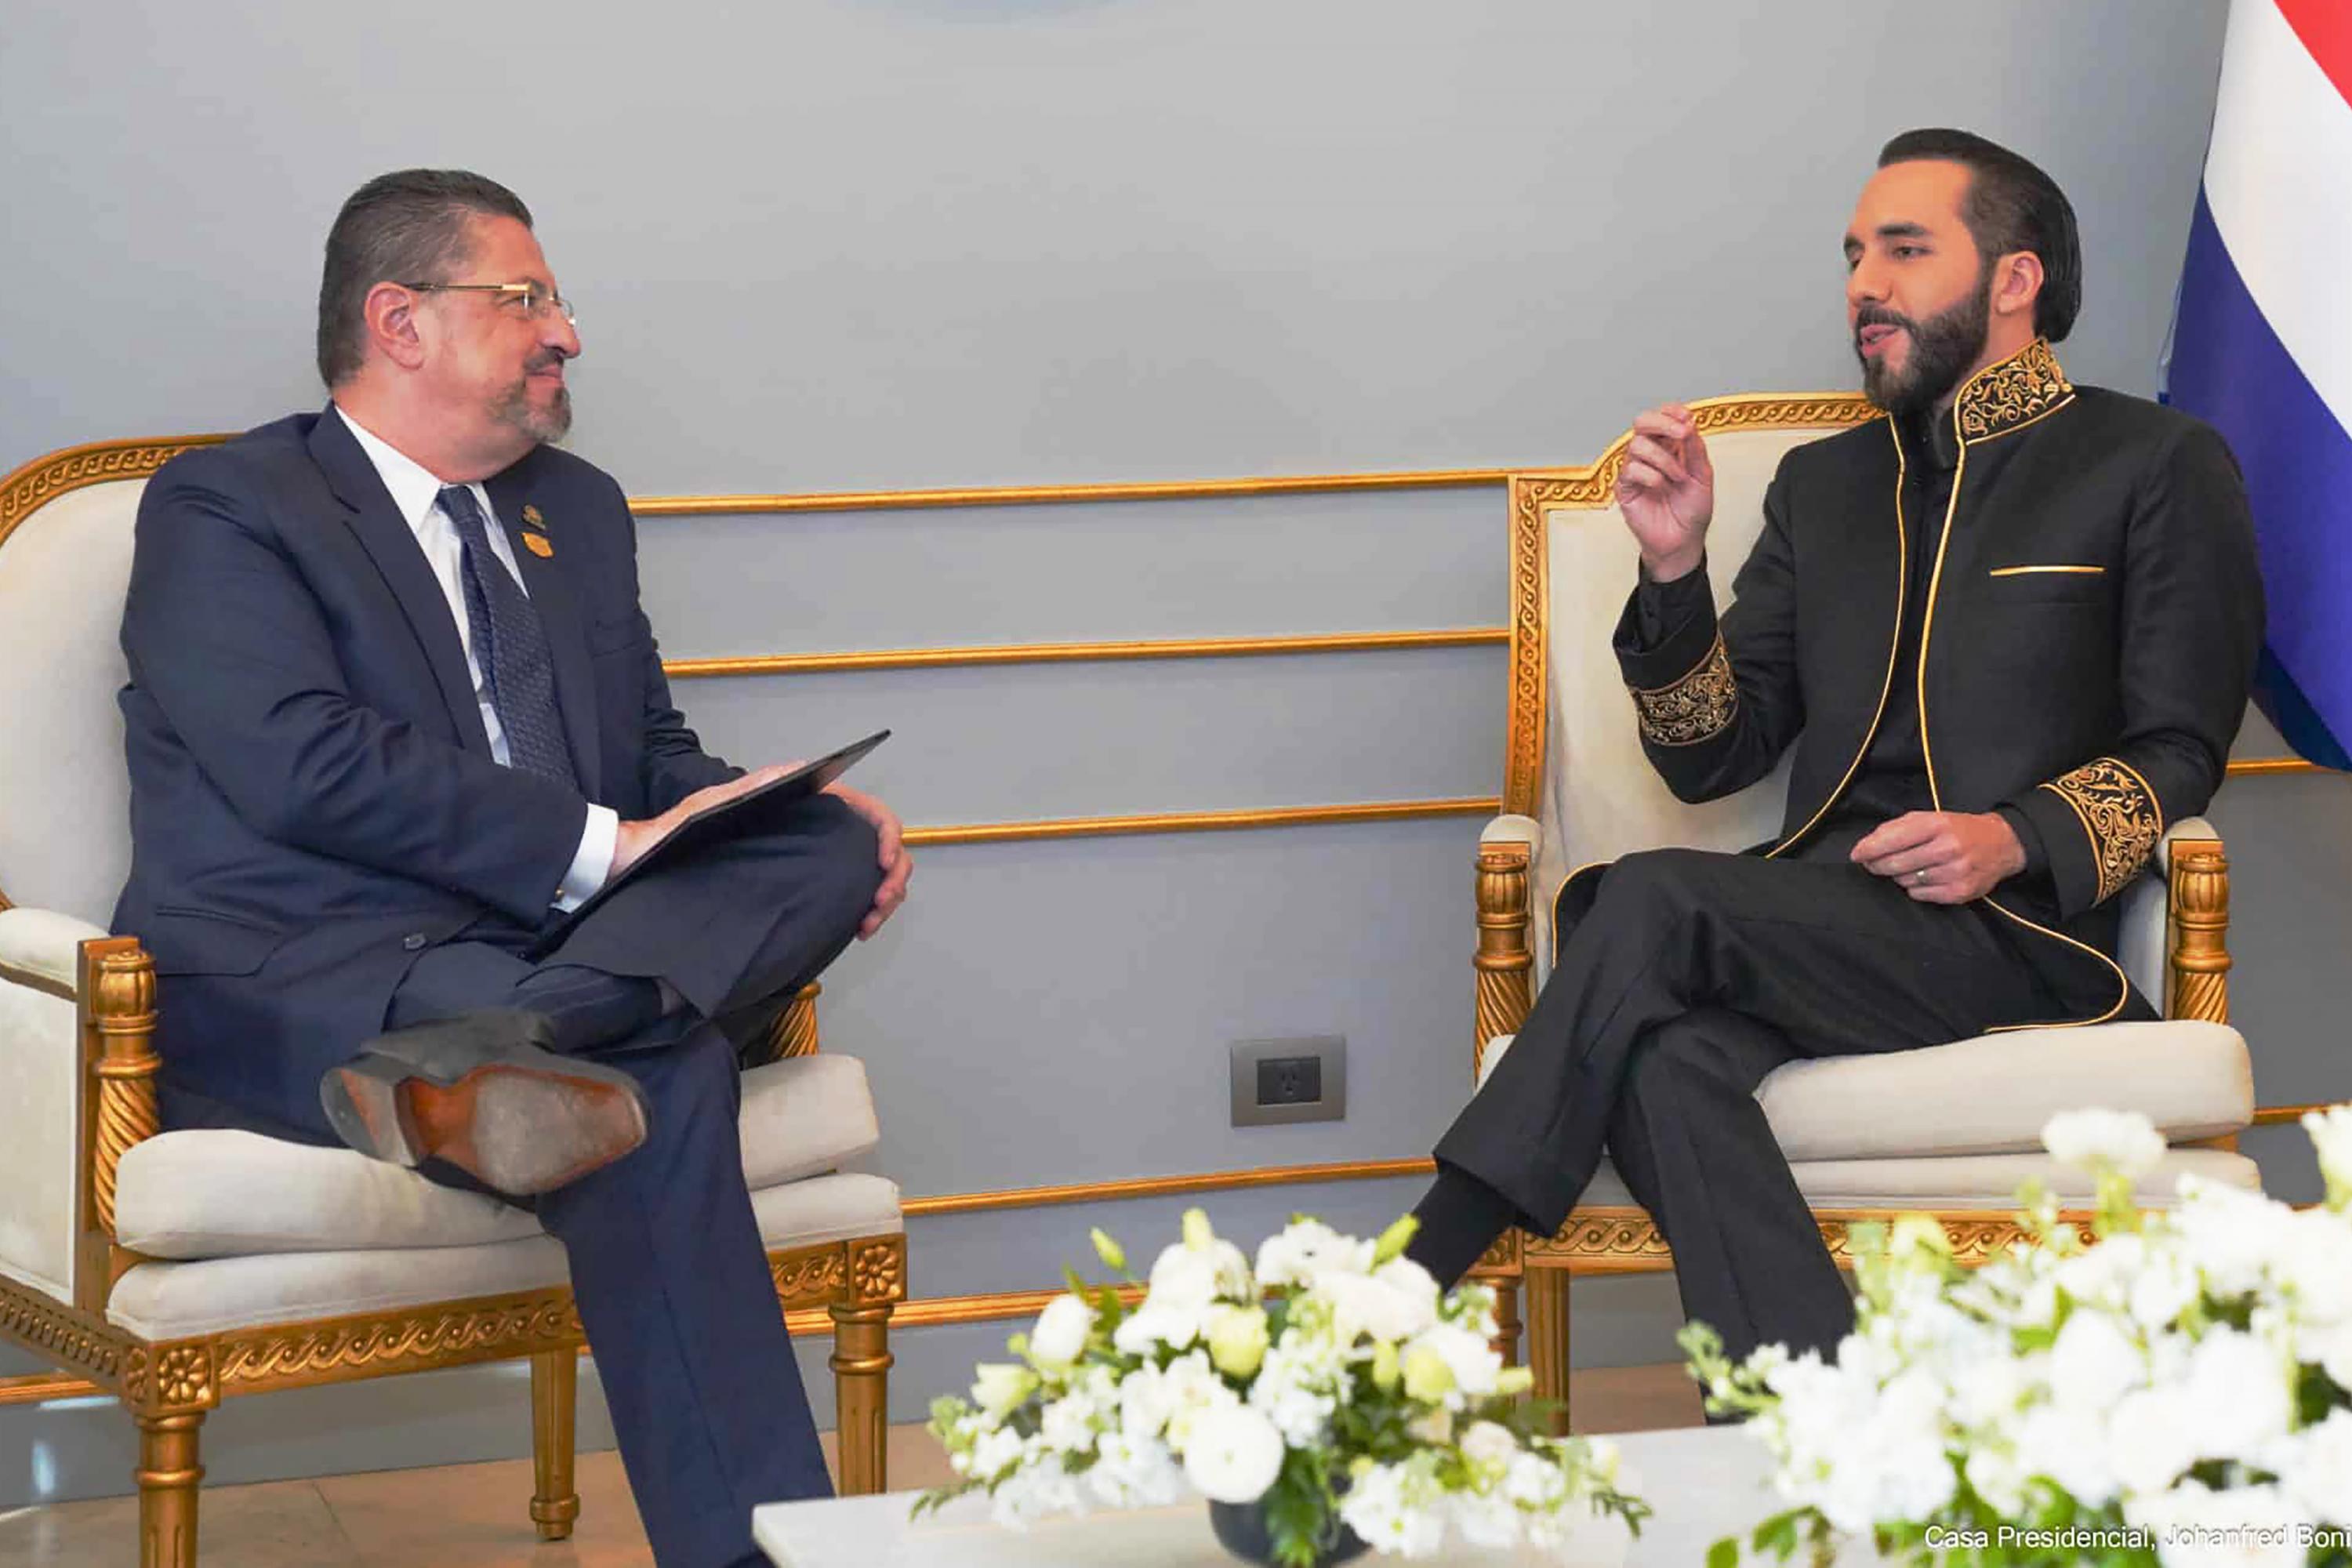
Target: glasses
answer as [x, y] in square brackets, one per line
[537, 299]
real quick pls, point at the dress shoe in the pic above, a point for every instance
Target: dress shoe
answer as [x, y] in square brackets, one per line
[483, 1092]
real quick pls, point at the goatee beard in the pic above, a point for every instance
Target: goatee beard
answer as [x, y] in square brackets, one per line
[546, 426]
[1943, 346]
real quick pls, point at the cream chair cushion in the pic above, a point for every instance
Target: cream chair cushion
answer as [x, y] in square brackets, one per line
[1986, 1182]
[1992, 1094]
[170, 1300]
[218, 1193]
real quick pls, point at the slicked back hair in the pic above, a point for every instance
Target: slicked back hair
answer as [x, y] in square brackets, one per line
[2010, 205]
[407, 227]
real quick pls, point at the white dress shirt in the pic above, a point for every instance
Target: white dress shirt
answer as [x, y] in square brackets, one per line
[416, 496]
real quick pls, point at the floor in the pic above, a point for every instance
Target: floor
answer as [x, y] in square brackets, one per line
[474, 1516]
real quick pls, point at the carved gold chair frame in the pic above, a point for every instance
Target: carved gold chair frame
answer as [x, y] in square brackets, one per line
[1614, 1239]
[848, 1287]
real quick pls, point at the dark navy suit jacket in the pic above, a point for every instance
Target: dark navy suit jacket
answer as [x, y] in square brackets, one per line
[312, 796]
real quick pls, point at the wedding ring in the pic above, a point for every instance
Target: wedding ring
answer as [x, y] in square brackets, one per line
[1919, 877]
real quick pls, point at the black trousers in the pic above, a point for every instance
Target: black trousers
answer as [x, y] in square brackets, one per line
[1691, 976]
[666, 1265]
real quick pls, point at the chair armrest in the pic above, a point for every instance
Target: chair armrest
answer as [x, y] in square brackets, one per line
[42, 949]
[1505, 963]
[1513, 830]
[2196, 908]
[2196, 828]
[76, 1015]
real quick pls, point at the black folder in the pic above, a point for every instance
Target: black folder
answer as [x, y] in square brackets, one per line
[755, 811]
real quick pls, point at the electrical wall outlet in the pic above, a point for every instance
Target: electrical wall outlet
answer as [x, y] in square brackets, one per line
[1298, 1080]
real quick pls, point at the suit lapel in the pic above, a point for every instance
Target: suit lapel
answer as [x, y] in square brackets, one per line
[385, 536]
[545, 577]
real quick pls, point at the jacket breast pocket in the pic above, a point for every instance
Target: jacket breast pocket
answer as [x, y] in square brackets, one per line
[203, 942]
[2057, 583]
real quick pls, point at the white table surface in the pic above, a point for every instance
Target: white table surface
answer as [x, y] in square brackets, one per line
[1702, 1483]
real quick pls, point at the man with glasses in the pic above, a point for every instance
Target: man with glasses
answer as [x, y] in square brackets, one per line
[393, 712]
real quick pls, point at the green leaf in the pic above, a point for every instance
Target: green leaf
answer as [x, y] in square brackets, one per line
[1724, 1553]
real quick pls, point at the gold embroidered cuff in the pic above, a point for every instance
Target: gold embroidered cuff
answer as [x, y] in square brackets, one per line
[1696, 707]
[2120, 814]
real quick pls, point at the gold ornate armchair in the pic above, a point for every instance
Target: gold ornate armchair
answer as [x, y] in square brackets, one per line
[1951, 1130]
[177, 1269]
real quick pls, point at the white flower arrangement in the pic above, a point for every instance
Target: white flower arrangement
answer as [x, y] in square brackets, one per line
[2179, 1393]
[1333, 1382]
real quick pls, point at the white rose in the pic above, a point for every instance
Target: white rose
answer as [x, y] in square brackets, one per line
[1060, 1336]
[1233, 1454]
[2092, 1364]
[2120, 1140]
[1237, 1340]
[1193, 1389]
[1068, 1425]
[999, 1386]
[1386, 1306]
[1307, 1250]
[1489, 1447]
[2315, 1467]
[2331, 1140]
[1471, 1361]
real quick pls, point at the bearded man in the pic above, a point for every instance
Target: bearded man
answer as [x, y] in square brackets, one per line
[2075, 617]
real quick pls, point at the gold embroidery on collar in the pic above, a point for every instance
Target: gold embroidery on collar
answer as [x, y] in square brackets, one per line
[2020, 388]
[1696, 707]
[2120, 814]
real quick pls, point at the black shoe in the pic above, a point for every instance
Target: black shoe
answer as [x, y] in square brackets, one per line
[483, 1092]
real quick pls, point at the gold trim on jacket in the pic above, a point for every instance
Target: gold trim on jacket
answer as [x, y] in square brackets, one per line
[1696, 707]
[2119, 814]
[1999, 400]
[1894, 646]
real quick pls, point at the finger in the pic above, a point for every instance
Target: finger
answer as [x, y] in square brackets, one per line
[891, 838]
[1640, 477]
[1664, 423]
[1660, 455]
[1929, 857]
[1908, 831]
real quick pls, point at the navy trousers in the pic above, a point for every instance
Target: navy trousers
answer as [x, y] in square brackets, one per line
[666, 1265]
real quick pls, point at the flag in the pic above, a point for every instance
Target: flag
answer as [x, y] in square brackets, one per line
[2262, 341]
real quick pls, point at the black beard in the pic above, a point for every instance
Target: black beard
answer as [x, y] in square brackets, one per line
[1942, 348]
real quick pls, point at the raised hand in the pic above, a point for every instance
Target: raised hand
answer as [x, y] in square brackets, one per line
[1666, 491]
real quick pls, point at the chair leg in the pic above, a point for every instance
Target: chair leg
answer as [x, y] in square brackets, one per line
[555, 1394]
[1506, 1320]
[1548, 1335]
[168, 1478]
[861, 1386]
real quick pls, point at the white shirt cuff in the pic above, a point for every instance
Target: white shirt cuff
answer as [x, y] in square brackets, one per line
[593, 863]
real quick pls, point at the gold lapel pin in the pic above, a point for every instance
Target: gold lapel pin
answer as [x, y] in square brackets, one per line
[540, 545]
[531, 518]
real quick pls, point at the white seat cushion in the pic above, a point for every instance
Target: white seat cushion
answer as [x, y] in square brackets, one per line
[1992, 1094]
[1988, 1182]
[212, 1193]
[214, 1295]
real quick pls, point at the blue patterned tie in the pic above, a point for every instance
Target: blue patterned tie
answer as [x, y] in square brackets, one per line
[510, 647]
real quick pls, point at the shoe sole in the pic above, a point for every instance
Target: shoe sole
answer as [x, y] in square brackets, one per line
[518, 1130]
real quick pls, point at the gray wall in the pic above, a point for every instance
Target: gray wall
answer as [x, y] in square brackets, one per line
[906, 243]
